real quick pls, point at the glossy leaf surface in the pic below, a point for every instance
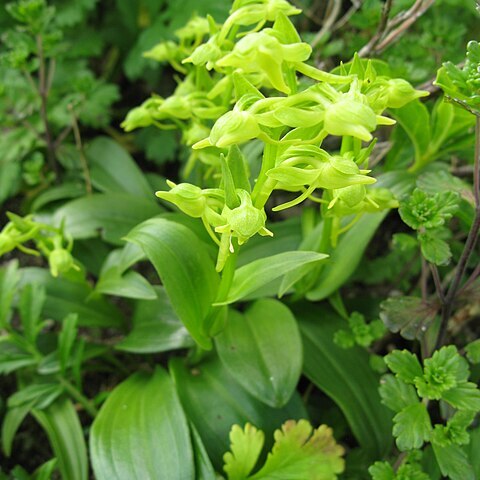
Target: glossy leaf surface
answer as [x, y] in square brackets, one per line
[214, 401]
[185, 268]
[141, 432]
[262, 349]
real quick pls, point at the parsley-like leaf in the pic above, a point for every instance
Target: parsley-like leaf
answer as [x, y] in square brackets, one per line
[412, 427]
[396, 394]
[442, 372]
[245, 446]
[472, 351]
[428, 211]
[465, 396]
[298, 453]
[405, 365]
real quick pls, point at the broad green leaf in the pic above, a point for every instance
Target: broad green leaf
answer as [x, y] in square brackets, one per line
[245, 447]
[453, 462]
[414, 118]
[260, 272]
[345, 376]
[65, 191]
[185, 269]
[111, 214]
[214, 401]
[114, 281]
[128, 285]
[9, 277]
[113, 170]
[62, 426]
[262, 349]
[65, 297]
[300, 452]
[412, 426]
[141, 432]
[156, 327]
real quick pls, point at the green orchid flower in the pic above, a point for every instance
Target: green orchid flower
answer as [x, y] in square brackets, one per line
[310, 166]
[263, 54]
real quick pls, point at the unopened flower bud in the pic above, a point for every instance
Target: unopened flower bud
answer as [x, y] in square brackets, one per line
[233, 127]
[400, 92]
[60, 261]
[187, 197]
[136, 118]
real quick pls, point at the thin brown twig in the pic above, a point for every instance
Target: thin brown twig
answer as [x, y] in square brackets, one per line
[424, 280]
[333, 10]
[81, 152]
[437, 281]
[356, 4]
[382, 27]
[43, 92]
[403, 27]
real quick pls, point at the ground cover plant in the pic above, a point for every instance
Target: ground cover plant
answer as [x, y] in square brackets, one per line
[240, 241]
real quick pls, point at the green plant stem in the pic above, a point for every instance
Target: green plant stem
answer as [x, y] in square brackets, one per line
[472, 238]
[43, 92]
[261, 191]
[228, 273]
[78, 396]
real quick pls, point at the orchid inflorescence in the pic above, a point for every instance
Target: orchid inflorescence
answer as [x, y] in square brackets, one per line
[220, 104]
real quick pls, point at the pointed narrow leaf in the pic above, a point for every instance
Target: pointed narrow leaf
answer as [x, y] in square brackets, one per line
[260, 272]
[141, 432]
[262, 349]
[9, 277]
[11, 422]
[62, 426]
[185, 269]
[203, 466]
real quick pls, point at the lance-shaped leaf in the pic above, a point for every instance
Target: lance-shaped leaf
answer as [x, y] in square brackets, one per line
[62, 426]
[185, 269]
[260, 272]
